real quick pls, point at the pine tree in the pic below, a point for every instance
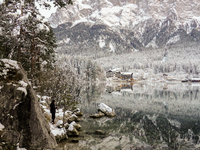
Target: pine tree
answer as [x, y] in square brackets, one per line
[25, 36]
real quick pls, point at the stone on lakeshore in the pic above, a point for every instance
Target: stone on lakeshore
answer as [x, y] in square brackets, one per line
[106, 110]
[77, 112]
[78, 127]
[66, 125]
[72, 118]
[60, 138]
[71, 131]
[99, 132]
[99, 115]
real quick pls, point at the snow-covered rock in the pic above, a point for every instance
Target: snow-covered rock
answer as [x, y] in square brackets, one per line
[59, 123]
[71, 131]
[72, 118]
[106, 110]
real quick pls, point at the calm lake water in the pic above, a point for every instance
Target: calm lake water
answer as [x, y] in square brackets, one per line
[148, 116]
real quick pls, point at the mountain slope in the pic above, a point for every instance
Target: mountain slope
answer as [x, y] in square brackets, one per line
[135, 24]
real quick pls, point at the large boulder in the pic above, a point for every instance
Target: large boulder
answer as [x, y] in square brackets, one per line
[21, 115]
[71, 131]
[72, 118]
[106, 110]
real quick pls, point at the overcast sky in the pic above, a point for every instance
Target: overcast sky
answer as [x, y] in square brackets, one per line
[46, 12]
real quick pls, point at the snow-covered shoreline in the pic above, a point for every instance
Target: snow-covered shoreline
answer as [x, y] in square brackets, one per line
[61, 130]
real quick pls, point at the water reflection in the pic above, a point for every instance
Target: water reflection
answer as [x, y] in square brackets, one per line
[149, 116]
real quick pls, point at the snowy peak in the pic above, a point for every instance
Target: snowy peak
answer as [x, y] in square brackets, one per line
[128, 13]
[152, 23]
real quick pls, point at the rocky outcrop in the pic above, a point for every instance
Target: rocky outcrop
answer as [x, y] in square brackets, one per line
[21, 115]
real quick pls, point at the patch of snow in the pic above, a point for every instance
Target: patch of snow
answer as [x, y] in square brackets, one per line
[45, 97]
[1, 127]
[153, 119]
[59, 122]
[68, 112]
[79, 21]
[73, 116]
[57, 131]
[152, 43]
[24, 84]
[71, 126]
[112, 48]
[175, 123]
[104, 108]
[164, 60]
[126, 73]
[116, 93]
[126, 90]
[60, 113]
[16, 105]
[116, 69]
[44, 62]
[23, 90]
[18, 148]
[11, 64]
[1, 87]
[173, 39]
[101, 42]
[66, 40]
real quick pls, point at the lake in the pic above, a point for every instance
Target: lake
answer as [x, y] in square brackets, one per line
[148, 116]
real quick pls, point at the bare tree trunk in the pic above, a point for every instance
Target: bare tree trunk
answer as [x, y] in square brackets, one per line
[32, 55]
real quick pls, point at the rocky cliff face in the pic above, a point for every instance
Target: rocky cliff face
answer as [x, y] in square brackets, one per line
[125, 25]
[21, 116]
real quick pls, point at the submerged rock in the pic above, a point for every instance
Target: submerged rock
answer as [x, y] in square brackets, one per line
[99, 132]
[22, 116]
[99, 115]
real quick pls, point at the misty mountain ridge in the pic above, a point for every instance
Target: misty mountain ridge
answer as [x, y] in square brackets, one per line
[101, 28]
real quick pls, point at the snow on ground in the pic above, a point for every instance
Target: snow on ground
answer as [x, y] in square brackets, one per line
[1, 127]
[57, 131]
[59, 113]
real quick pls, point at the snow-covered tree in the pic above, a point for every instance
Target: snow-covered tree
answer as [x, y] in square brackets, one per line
[25, 36]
